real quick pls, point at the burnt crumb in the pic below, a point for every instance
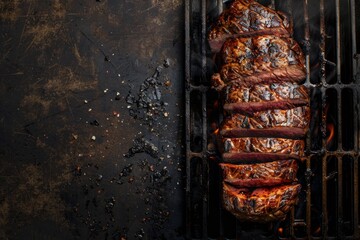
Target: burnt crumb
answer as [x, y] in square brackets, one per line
[160, 176]
[99, 178]
[120, 234]
[120, 182]
[77, 171]
[148, 104]
[166, 63]
[130, 99]
[140, 234]
[133, 113]
[95, 123]
[142, 145]
[110, 203]
[126, 170]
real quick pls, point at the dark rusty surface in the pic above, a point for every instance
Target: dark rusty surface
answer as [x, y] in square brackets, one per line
[66, 125]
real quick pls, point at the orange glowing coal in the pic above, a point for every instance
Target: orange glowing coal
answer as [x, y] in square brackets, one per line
[330, 128]
[216, 131]
[317, 231]
[280, 231]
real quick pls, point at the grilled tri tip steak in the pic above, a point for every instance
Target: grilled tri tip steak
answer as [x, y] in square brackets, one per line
[267, 111]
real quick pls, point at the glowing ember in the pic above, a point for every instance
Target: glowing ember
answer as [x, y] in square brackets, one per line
[317, 231]
[330, 128]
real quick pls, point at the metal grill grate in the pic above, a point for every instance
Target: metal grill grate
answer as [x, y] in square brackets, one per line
[329, 202]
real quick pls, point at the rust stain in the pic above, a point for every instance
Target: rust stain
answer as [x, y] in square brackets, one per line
[113, 20]
[33, 197]
[44, 29]
[55, 91]
[4, 216]
[4, 212]
[85, 62]
[10, 10]
[167, 5]
[42, 34]
[58, 9]
[100, 7]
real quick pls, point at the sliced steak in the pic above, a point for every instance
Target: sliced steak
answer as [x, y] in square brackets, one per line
[260, 204]
[262, 97]
[247, 18]
[271, 123]
[261, 59]
[265, 92]
[253, 150]
[261, 174]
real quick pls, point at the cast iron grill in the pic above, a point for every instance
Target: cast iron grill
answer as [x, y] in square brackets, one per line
[328, 205]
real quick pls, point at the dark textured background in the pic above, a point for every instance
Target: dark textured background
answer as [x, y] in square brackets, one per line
[55, 181]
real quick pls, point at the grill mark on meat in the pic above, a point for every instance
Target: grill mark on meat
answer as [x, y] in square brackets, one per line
[262, 51]
[235, 93]
[296, 117]
[261, 174]
[260, 204]
[263, 145]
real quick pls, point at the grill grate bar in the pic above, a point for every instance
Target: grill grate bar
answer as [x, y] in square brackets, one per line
[187, 119]
[353, 38]
[356, 198]
[308, 137]
[205, 170]
[356, 123]
[340, 220]
[205, 182]
[322, 47]
[339, 126]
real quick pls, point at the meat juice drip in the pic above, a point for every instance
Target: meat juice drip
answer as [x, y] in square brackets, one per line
[261, 68]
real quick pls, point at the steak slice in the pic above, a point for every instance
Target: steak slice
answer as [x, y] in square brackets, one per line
[253, 150]
[249, 108]
[271, 123]
[261, 97]
[261, 59]
[232, 73]
[261, 174]
[247, 18]
[260, 204]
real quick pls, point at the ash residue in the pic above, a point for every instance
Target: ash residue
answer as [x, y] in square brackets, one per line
[142, 145]
[147, 103]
